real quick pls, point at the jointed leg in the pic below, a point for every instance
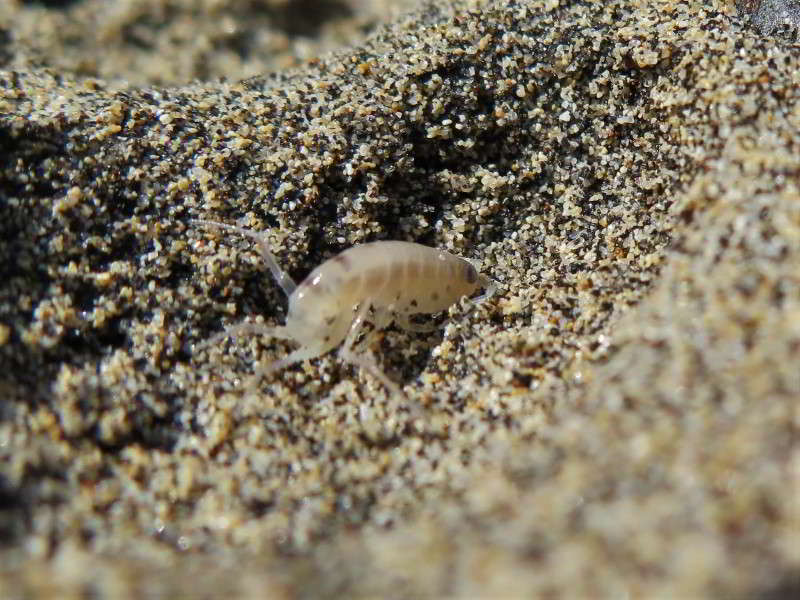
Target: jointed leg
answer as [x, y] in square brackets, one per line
[245, 329]
[273, 332]
[489, 286]
[295, 356]
[365, 360]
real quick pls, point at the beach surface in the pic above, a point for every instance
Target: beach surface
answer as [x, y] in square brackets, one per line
[620, 419]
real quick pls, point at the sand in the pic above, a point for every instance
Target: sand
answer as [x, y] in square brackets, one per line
[621, 419]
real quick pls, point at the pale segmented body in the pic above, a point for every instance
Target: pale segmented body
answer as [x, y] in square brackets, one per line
[394, 279]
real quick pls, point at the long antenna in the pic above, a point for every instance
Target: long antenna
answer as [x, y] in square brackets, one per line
[282, 277]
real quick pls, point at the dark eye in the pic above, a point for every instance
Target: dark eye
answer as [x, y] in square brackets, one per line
[470, 274]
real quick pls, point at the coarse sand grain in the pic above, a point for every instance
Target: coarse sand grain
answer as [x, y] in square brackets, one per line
[621, 419]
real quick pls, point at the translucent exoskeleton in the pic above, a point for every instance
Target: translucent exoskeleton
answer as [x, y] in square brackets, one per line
[380, 282]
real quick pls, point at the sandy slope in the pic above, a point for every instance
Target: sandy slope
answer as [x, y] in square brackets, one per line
[621, 419]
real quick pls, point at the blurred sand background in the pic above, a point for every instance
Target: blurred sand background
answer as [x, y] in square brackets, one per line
[620, 420]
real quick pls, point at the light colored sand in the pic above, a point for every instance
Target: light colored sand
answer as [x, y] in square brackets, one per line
[621, 419]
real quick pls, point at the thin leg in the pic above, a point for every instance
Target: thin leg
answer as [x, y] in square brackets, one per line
[490, 287]
[274, 332]
[245, 329]
[282, 277]
[365, 360]
[296, 356]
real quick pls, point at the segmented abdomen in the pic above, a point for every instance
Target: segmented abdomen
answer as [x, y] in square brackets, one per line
[401, 276]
